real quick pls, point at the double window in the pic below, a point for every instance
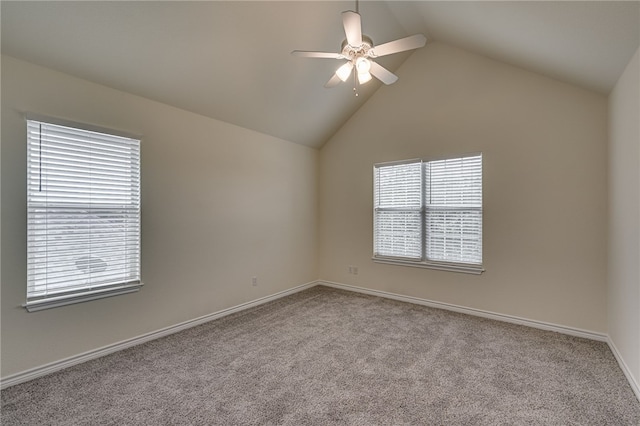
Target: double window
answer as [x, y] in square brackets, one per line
[429, 213]
[83, 214]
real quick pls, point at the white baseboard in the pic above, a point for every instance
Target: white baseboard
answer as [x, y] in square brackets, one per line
[625, 369]
[43, 370]
[472, 311]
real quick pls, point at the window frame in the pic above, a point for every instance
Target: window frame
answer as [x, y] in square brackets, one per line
[424, 262]
[92, 290]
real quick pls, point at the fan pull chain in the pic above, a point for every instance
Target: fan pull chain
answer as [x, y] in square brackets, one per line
[355, 84]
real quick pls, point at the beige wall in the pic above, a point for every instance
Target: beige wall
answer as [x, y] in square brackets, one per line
[624, 217]
[544, 150]
[220, 204]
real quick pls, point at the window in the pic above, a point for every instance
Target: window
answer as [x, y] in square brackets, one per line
[429, 213]
[83, 214]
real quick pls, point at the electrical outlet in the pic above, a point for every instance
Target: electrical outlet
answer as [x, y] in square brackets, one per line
[354, 269]
[254, 281]
[350, 268]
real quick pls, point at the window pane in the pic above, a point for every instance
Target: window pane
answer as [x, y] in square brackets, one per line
[454, 182]
[398, 234]
[398, 186]
[454, 235]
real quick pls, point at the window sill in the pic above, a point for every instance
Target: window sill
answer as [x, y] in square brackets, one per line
[441, 266]
[55, 302]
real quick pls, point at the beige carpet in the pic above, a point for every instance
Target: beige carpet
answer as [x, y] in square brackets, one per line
[326, 356]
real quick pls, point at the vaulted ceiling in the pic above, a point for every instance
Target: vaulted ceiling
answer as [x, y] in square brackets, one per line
[231, 60]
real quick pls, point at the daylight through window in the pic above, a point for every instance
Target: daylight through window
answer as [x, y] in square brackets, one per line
[429, 213]
[83, 214]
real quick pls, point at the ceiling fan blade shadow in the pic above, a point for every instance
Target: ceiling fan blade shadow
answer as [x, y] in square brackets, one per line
[382, 74]
[321, 55]
[412, 42]
[333, 81]
[352, 27]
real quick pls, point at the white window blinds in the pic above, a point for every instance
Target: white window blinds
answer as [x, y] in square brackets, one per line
[429, 212]
[398, 205]
[453, 202]
[83, 214]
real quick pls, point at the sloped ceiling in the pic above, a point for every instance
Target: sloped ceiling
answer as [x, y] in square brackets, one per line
[231, 60]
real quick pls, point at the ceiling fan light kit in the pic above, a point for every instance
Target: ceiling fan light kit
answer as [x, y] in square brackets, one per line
[359, 51]
[364, 77]
[344, 71]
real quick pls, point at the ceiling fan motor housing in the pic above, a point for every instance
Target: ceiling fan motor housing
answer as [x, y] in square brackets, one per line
[353, 52]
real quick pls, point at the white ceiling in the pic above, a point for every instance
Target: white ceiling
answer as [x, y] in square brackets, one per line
[231, 60]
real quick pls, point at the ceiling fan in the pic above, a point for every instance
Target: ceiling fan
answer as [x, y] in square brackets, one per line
[359, 52]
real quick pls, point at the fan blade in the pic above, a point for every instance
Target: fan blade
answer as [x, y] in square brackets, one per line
[333, 81]
[382, 74]
[352, 28]
[322, 55]
[400, 45]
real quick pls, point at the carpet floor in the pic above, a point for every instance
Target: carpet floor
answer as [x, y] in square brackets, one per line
[326, 356]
